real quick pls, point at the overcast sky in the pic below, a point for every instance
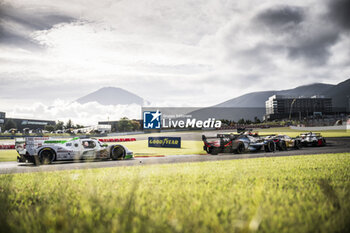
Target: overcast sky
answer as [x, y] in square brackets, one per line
[174, 53]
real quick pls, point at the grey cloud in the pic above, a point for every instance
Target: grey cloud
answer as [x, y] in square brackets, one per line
[280, 16]
[29, 19]
[304, 36]
[339, 12]
[12, 39]
[34, 20]
[314, 49]
[29, 86]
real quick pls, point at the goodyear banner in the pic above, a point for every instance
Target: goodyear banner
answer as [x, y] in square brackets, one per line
[170, 142]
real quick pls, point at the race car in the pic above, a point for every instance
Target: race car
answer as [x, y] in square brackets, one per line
[222, 143]
[284, 141]
[233, 143]
[256, 143]
[43, 150]
[312, 139]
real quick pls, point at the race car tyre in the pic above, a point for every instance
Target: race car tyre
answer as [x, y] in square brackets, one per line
[283, 146]
[36, 160]
[214, 150]
[240, 148]
[321, 142]
[270, 146]
[117, 153]
[46, 156]
[208, 150]
[297, 145]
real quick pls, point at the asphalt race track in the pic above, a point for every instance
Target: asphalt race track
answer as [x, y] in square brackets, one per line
[334, 145]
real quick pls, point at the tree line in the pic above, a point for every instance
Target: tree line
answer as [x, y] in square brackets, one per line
[241, 121]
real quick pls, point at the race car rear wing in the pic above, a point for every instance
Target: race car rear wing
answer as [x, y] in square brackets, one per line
[32, 143]
[219, 136]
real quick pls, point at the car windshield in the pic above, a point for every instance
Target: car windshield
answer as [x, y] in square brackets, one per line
[89, 144]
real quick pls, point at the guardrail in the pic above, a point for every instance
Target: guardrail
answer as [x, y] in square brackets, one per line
[7, 147]
[117, 139]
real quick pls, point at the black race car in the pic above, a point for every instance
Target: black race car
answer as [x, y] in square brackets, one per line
[233, 143]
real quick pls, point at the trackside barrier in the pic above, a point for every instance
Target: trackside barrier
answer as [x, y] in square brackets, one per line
[7, 147]
[117, 139]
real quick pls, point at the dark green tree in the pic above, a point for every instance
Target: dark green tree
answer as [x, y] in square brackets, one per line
[59, 125]
[241, 121]
[135, 125]
[69, 124]
[50, 128]
[124, 125]
[257, 120]
[77, 126]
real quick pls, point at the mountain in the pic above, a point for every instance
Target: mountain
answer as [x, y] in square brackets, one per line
[340, 94]
[251, 100]
[112, 96]
[257, 99]
[253, 104]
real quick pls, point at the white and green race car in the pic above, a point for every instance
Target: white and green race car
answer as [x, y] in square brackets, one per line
[43, 150]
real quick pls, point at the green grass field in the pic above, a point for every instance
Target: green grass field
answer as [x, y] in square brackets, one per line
[8, 155]
[282, 194]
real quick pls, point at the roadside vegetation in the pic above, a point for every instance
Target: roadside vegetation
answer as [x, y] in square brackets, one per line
[282, 194]
[8, 155]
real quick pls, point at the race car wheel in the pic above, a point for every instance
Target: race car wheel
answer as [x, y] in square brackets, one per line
[321, 142]
[270, 146]
[240, 148]
[283, 146]
[46, 156]
[214, 150]
[208, 150]
[117, 153]
[297, 145]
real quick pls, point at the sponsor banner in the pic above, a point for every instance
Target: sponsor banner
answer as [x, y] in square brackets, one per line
[169, 142]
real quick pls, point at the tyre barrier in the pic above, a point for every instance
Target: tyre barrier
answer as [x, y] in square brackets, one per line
[117, 139]
[7, 147]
